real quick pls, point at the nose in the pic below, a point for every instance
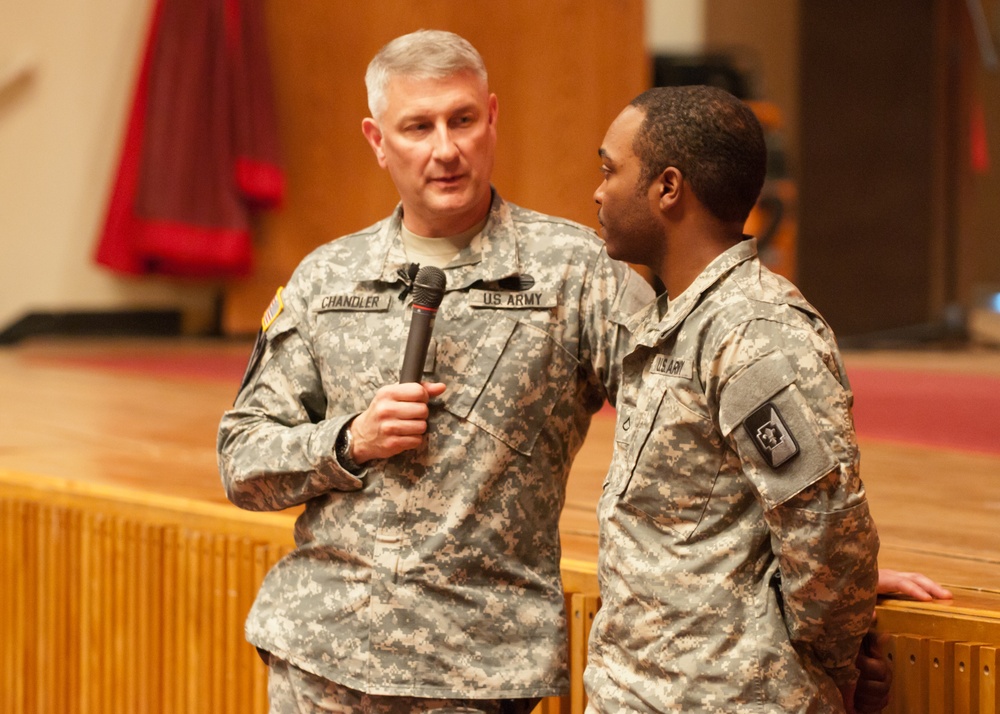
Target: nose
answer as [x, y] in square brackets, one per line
[445, 149]
[599, 194]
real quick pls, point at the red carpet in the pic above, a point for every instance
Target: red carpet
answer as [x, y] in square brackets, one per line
[955, 411]
[208, 366]
[940, 409]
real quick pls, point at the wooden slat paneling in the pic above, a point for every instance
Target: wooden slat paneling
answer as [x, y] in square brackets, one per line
[109, 614]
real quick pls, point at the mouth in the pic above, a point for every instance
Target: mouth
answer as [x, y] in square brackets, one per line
[447, 181]
[602, 230]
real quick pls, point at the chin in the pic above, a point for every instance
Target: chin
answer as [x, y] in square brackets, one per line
[458, 200]
[611, 248]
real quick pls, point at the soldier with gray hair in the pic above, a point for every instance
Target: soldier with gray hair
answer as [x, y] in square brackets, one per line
[738, 557]
[426, 573]
[426, 54]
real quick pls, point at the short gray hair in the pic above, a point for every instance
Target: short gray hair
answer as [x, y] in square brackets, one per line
[424, 54]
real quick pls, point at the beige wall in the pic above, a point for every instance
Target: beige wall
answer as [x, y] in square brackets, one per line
[675, 26]
[67, 70]
[761, 36]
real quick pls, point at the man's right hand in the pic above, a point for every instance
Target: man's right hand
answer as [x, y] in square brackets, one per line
[916, 585]
[395, 421]
[875, 682]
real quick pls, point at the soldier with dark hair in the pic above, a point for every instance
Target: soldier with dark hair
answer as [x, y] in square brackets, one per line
[738, 558]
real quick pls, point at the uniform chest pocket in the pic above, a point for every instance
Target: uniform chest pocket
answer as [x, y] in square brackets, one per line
[674, 459]
[511, 380]
[370, 342]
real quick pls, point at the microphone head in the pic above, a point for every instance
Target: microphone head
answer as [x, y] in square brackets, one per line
[428, 287]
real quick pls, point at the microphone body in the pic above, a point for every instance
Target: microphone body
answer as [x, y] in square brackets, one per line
[428, 291]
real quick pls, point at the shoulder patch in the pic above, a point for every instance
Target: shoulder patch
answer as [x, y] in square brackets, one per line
[273, 310]
[771, 435]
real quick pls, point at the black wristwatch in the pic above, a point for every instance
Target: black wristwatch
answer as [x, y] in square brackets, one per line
[343, 449]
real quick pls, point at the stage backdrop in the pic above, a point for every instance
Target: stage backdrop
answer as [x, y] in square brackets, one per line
[562, 70]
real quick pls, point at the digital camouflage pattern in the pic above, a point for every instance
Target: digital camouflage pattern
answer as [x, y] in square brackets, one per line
[436, 572]
[737, 555]
[293, 691]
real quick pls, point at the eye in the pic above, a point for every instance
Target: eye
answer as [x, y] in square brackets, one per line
[417, 127]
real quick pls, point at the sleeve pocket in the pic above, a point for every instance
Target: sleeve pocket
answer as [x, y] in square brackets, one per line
[774, 430]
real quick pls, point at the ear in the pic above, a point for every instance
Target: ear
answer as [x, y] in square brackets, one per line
[669, 184]
[372, 132]
[493, 108]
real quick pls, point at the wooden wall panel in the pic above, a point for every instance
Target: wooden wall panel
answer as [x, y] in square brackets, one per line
[975, 177]
[562, 70]
[121, 604]
[867, 181]
[763, 37]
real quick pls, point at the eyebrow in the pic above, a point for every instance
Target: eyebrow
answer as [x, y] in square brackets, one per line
[424, 114]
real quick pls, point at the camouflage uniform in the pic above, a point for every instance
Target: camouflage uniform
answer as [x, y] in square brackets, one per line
[737, 555]
[436, 572]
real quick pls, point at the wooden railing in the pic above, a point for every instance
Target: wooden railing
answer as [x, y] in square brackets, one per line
[116, 601]
[944, 654]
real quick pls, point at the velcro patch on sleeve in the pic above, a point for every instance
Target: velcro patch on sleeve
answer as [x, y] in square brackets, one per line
[776, 432]
[259, 347]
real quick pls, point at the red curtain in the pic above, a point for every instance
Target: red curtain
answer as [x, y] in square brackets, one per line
[201, 147]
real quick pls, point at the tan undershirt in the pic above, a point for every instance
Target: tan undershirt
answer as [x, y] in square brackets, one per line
[437, 251]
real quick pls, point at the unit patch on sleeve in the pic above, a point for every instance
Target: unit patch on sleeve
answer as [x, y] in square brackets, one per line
[771, 435]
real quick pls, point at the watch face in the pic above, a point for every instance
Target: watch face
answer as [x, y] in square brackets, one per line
[343, 450]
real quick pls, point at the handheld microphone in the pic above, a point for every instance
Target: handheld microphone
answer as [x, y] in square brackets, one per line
[428, 291]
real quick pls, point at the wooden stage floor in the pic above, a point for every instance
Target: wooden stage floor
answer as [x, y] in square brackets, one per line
[142, 414]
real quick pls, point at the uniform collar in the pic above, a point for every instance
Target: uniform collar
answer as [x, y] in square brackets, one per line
[647, 325]
[491, 256]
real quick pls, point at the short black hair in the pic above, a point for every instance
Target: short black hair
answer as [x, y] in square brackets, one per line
[713, 138]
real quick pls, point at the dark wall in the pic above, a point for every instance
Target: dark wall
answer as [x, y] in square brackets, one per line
[867, 188]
